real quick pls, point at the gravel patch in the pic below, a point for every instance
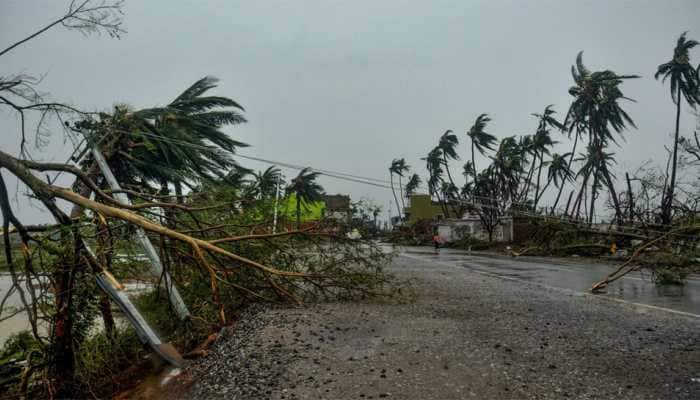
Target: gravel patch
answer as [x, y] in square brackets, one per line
[462, 336]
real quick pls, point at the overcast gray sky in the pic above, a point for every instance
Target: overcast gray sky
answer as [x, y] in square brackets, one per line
[349, 85]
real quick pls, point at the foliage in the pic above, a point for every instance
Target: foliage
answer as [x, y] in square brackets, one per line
[305, 189]
[669, 276]
[685, 83]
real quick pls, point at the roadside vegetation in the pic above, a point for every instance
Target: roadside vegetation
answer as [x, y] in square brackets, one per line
[222, 232]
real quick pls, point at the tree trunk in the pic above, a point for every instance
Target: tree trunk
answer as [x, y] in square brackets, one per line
[178, 192]
[556, 201]
[568, 202]
[544, 189]
[667, 203]
[630, 198]
[537, 187]
[579, 197]
[530, 174]
[298, 211]
[107, 317]
[62, 353]
[571, 160]
[81, 188]
[449, 176]
[594, 193]
[473, 167]
[396, 200]
[616, 202]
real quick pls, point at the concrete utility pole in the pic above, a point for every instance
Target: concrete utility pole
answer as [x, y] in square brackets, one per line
[145, 333]
[156, 269]
[277, 198]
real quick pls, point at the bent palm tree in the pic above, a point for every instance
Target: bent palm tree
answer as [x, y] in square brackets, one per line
[395, 168]
[305, 189]
[480, 139]
[180, 143]
[265, 182]
[559, 173]
[683, 82]
[542, 141]
[412, 185]
[433, 163]
[401, 169]
[596, 107]
[448, 145]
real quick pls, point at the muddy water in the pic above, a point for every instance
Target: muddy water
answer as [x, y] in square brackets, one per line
[575, 275]
[20, 322]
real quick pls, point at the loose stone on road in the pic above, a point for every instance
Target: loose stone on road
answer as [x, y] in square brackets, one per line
[461, 335]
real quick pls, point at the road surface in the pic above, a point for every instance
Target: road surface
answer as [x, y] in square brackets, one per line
[470, 328]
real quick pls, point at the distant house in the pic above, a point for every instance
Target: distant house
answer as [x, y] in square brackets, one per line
[470, 225]
[452, 227]
[337, 206]
[421, 206]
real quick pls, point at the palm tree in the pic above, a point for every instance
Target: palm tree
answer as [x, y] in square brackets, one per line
[180, 143]
[467, 172]
[577, 130]
[448, 145]
[559, 173]
[542, 141]
[412, 185]
[480, 139]
[596, 108]
[394, 168]
[507, 167]
[433, 163]
[401, 168]
[264, 184]
[305, 189]
[684, 82]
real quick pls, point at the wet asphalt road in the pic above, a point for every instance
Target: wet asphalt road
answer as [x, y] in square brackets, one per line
[463, 334]
[571, 274]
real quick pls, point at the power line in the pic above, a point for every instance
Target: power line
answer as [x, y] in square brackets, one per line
[324, 171]
[333, 174]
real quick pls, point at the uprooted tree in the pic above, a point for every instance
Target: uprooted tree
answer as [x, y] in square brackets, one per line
[214, 235]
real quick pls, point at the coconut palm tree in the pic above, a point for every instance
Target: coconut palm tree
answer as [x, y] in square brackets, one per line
[401, 169]
[305, 189]
[480, 140]
[264, 184]
[395, 168]
[508, 165]
[596, 108]
[448, 145]
[683, 83]
[559, 173]
[433, 163]
[180, 143]
[542, 141]
[412, 185]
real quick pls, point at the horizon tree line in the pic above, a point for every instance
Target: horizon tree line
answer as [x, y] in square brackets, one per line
[521, 168]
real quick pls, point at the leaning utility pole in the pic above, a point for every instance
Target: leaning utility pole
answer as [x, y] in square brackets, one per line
[277, 198]
[156, 267]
